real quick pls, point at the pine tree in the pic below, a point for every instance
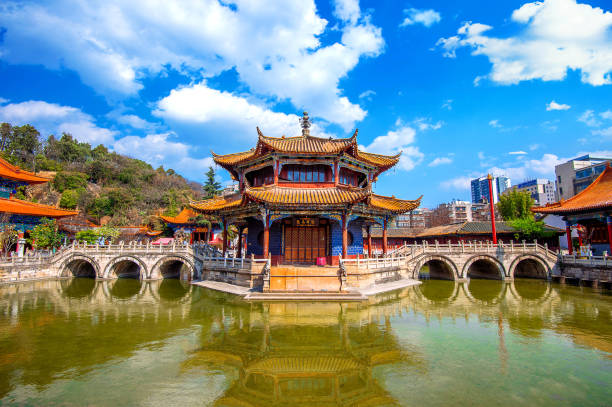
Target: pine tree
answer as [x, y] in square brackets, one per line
[211, 187]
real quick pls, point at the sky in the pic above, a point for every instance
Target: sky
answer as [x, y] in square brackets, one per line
[462, 89]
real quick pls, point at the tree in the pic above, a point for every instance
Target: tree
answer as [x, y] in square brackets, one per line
[24, 145]
[8, 233]
[211, 187]
[91, 236]
[108, 233]
[202, 222]
[88, 236]
[45, 235]
[69, 199]
[6, 133]
[515, 205]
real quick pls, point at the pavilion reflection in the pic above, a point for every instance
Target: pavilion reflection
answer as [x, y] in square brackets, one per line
[302, 354]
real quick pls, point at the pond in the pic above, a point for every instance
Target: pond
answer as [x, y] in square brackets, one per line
[127, 342]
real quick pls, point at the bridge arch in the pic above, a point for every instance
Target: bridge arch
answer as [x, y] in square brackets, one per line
[126, 267]
[443, 267]
[173, 266]
[79, 265]
[529, 266]
[483, 266]
[484, 292]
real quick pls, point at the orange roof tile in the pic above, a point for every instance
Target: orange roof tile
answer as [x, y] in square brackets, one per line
[305, 196]
[393, 204]
[8, 170]
[379, 160]
[19, 207]
[598, 195]
[182, 217]
[218, 203]
[234, 158]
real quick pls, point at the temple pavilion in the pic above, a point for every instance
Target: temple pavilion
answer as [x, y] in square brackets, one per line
[22, 214]
[590, 208]
[305, 199]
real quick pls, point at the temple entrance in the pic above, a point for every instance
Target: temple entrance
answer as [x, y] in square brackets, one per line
[305, 240]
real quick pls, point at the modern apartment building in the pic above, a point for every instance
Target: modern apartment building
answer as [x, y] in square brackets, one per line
[542, 190]
[577, 174]
[480, 188]
[459, 211]
[417, 219]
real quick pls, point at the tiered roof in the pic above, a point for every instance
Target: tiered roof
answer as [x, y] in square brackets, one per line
[597, 196]
[182, 218]
[19, 207]
[9, 171]
[306, 145]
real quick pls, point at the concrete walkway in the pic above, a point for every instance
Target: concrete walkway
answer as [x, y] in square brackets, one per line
[353, 295]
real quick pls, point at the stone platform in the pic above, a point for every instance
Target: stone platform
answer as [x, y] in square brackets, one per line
[354, 294]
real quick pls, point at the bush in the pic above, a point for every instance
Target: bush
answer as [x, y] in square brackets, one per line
[69, 180]
[45, 235]
[69, 199]
[88, 236]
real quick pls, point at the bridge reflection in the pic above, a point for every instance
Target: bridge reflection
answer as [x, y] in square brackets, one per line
[273, 353]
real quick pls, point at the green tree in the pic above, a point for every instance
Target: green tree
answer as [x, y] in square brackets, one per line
[45, 235]
[24, 145]
[108, 233]
[515, 205]
[64, 180]
[67, 149]
[88, 236]
[69, 199]
[6, 133]
[211, 187]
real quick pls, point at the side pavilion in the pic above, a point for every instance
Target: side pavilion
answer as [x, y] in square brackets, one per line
[590, 208]
[305, 199]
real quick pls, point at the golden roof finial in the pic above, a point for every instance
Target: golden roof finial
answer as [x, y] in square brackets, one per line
[306, 123]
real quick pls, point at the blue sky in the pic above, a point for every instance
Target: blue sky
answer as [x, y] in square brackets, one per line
[461, 88]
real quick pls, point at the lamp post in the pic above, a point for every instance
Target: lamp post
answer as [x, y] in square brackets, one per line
[492, 208]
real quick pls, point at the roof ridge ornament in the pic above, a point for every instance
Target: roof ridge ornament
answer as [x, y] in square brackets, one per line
[305, 123]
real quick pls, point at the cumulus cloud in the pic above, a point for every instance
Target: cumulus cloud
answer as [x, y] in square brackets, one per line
[275, 49]
[51, 118]
[417, 16]
[589, 118]
[520, 152]
[440, 161]
[458, 183]
[556, 35]
[556, 106]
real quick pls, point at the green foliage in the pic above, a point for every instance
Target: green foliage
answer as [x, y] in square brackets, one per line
[45, 235]
[211, 187]
[69, 180]
[67, 149]
[201, 221]
[88, 236]
[69, 199]
[46, 164]
[23, 144]
[515, 205]
[91, 236]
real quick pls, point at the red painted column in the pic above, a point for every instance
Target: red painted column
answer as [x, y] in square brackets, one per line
[240, 229]
[344, 237]
[224, 237]
[384, 237]
[568, 231]
[276, 165]
[492, 208]
[609, 222]
[369, 242]
[266, 238]
[336, 173]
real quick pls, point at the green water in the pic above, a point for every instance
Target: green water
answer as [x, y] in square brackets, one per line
[80, 342]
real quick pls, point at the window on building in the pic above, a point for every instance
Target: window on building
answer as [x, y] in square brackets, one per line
[348, 177]
[265, 176]
[305, 173]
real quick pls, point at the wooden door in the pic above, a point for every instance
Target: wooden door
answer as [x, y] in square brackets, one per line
[304, 244]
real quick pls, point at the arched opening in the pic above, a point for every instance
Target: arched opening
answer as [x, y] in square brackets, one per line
[437, 291]
[78, 287]
[484, 269]
[485, 291]
[125, 288]
[530, 268]
[437, 270]
[127, 269]
[172, 290]
[173, 269]
[80, 268]
[530, 290]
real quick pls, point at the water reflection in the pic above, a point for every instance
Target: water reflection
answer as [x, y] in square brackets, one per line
[395, 349]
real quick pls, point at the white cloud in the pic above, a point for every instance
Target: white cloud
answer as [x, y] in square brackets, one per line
[424, 123]
[533, 147]
[51, 118]
[520, 152]
[448, 104]
[606, 115]
[367, 95]
[603, 132]
[395, 141]
[556, 35]
[417, 16]
[3, 101]
[440, 161]
[589, 118]
[495, 124]
[556, 106]
[158, 149]
[459, 183]
[275, 49]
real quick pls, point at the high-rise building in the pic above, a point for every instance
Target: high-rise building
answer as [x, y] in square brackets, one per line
[417, 219]
[480, 188]
[541, 190]
[575, 175]
[460, 211]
